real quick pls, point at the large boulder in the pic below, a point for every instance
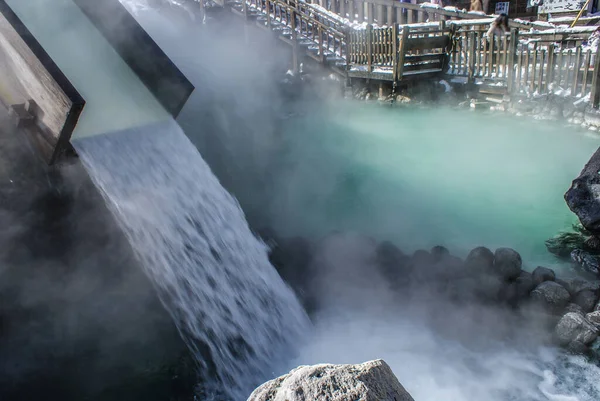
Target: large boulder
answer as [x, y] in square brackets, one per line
[585, 261]
[507, 263]
[583, 197]
[525, 284]
[553, 296]
[574, 327]
[480, 259]
[541, 274]
[370, 381]
[586, 299]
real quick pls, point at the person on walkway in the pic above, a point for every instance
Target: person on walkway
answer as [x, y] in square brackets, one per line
[498, 28]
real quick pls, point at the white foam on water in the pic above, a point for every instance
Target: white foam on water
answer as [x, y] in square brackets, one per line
[191, 236]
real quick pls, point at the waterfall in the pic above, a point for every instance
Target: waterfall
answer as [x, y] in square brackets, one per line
[231, 307]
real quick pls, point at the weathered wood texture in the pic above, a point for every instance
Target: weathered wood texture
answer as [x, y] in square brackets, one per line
[520, 62]
[34, 87]
[166, 82]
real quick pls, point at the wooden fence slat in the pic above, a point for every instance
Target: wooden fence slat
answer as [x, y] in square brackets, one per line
[576, 68]
[595, 94]
[550, 67]
[541, 74]
[402, 50]
[512, 51]
[584, 79]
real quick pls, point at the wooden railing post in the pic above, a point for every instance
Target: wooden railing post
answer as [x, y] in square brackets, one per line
[402, 51]
[369, 38]
[512, 48]
[595, 95]
[268, 4]
[472, 56]
[295, 63]
[395, 47]
[321, 50]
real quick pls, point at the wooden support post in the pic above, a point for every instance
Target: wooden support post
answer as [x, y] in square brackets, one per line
[370, 18]
[321, 50]
[380, 15]
[268, 4]
[380, 89]
[390, 15]
[395, 47]
[595, 95]
[512, 49]
[369, 48]
[399, 16]
[360, 4]
[295, 61]
[472, 57]
[323, 3]
[550, 66]
[402, 51]
[343, 8]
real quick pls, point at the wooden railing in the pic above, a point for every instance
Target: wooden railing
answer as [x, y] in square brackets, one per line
[525, 62]
[521, 62]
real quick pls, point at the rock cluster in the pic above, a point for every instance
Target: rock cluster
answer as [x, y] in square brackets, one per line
[370, 381]
[484, 277]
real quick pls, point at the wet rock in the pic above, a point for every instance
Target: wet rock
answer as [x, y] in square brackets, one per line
[594, 318]
[551, 295]
[586, 299]
[583, 197]
[585, 261]
[575, 327]
[510, 295]
[541, 274]
[439, 252]
[480, 259]
[577, 347]
[370, 381]
[577, 284]
[525, 284]
[574, 308]
[392, 263]
[507, 263]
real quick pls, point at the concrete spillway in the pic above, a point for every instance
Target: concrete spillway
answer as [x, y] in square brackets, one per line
[76, 52]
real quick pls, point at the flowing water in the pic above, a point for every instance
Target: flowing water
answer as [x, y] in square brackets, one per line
[418, 177]
[213, 275]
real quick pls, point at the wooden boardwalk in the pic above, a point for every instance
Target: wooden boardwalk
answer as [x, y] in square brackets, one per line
[391, 42]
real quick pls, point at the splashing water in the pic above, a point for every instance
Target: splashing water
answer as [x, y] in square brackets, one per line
[212, 274]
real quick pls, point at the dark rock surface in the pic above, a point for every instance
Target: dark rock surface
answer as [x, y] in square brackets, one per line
[507, 263]
[583, 197]
[541, 274]
[552, 296]
[586, 299]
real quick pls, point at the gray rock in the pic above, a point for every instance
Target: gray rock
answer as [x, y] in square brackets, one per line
[575, 327]
[574, 308]
[541, 274]
[594, 318]
[525, 284]
[553, 296]
[583, 198]
[439, 252]
[577, 347]
[507, 263]
[585, 261]
[586, 299]
[575, 285]
[480, 258]
[370, 381]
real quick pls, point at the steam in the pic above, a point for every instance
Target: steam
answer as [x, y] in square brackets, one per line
[414, 176]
